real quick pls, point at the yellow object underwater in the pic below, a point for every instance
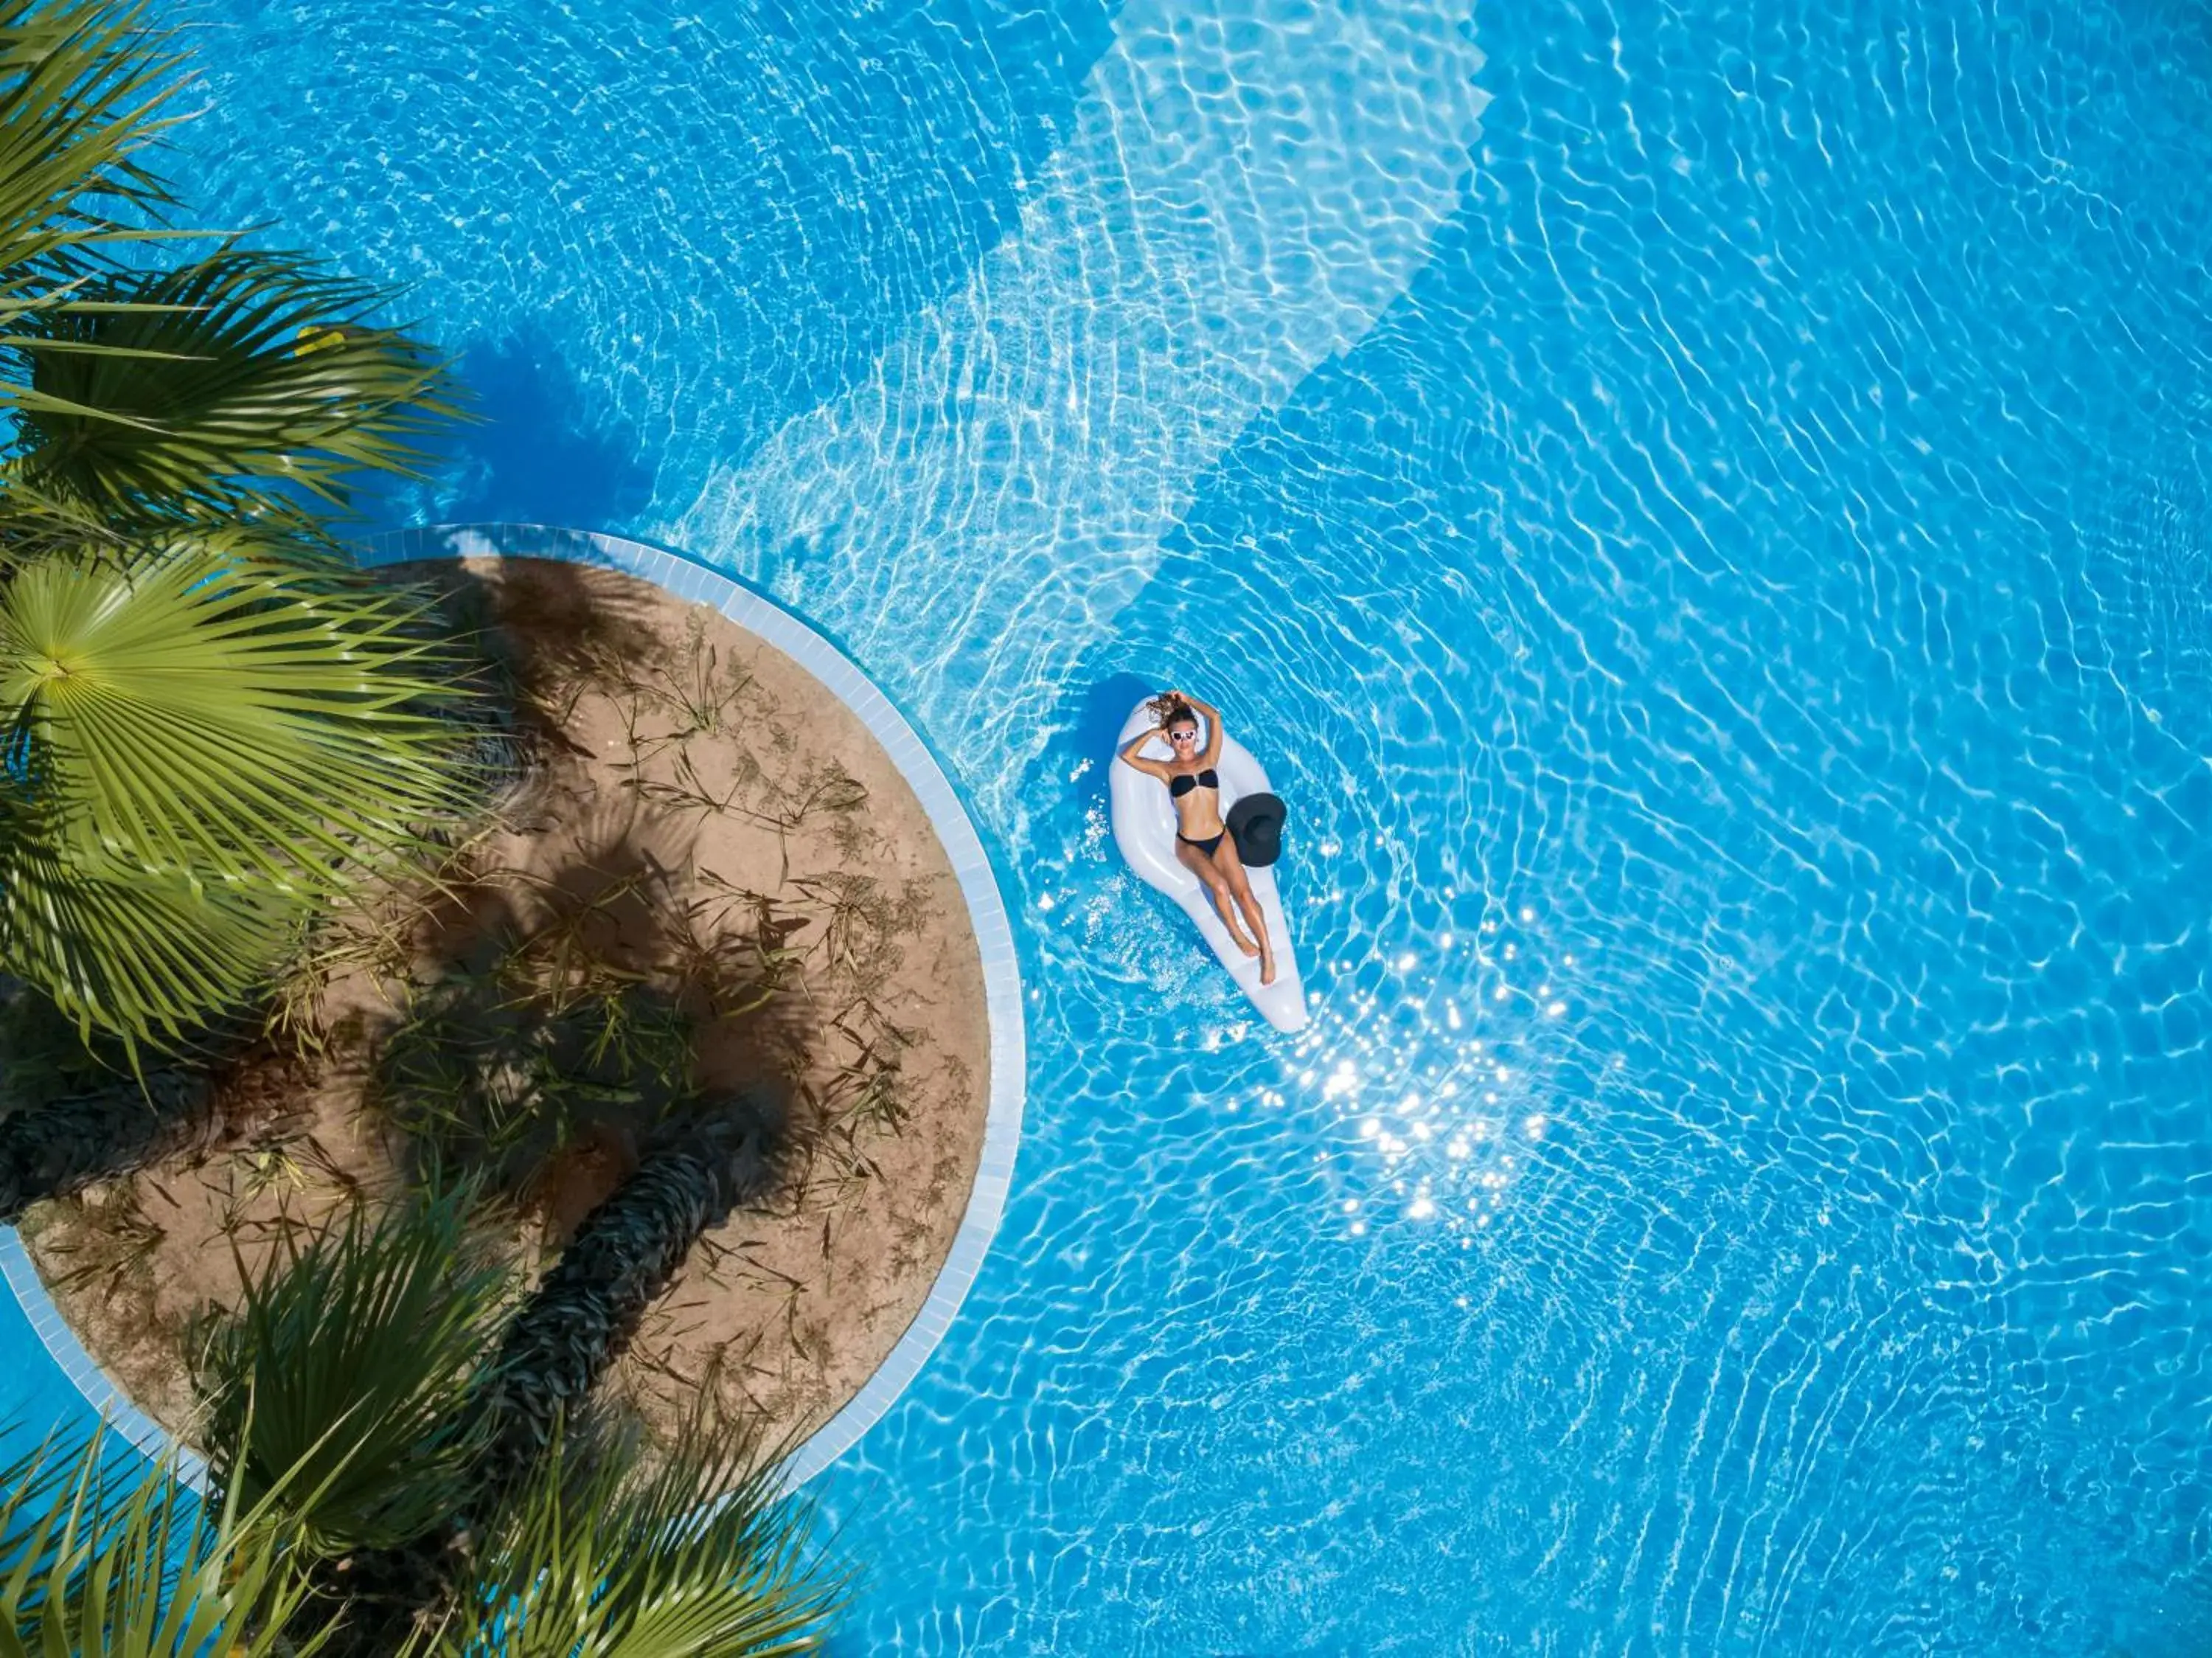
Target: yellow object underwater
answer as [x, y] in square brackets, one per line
[314, 336]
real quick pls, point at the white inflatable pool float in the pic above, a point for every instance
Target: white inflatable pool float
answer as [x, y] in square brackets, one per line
[1145, 829]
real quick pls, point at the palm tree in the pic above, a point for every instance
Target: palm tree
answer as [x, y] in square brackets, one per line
[691, 1551]
[66, 1140]
[345, 1380]
[233, 386]
[208, 726]
[343, 1396]
[345, 1385]
[688, 1553]
[102, 1565]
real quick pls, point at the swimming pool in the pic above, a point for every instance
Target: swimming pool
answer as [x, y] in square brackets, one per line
[1702, 511]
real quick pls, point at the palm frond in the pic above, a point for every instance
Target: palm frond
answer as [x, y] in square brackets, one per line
[149, 957]
[102, 1564]
[219, 386]
[196, 748]
[215, 715]
[82, 86]
[349, 1368]
[40, 523]
[690, 1551]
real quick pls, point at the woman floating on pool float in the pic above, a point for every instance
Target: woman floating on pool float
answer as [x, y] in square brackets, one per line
[1203, 843]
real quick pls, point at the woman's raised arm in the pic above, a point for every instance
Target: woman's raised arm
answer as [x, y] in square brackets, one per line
[1129, 752]
[1213, 728]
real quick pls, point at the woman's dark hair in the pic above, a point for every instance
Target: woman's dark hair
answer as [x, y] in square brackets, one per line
[1173, 711]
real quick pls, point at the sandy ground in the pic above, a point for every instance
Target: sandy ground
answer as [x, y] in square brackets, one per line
[696, 770]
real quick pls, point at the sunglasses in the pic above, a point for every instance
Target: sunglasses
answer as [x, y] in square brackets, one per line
[1183, 736]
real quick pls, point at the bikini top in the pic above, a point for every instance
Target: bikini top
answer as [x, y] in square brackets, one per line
[1178, 787]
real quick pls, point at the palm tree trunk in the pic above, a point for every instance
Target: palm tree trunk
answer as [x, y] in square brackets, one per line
[585, 1311]
[59, 1146]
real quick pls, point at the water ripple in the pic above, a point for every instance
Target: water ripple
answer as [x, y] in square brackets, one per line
[1715, 554]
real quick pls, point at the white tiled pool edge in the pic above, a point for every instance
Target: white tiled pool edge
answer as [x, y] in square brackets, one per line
[98, 1388]
[971, 867]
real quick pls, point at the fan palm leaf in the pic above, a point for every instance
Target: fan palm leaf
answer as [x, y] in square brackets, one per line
[690, 1552]
[192, 391]
[147, 957]
[219, 714]
[348, 1371]
[96, 1565]
[196, 746]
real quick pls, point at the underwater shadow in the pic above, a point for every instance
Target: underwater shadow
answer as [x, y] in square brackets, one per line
[532, 449]
[1087, 721]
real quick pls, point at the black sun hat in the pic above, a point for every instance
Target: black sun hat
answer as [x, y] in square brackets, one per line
[1256, 822]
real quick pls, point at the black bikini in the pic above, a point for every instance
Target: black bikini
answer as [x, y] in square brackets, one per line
[1180, 786]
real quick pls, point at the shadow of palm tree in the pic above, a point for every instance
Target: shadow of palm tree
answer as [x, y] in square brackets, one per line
[533, 450]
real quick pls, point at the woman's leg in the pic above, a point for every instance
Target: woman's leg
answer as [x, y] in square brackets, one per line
[1232, 874]
[1195, 861]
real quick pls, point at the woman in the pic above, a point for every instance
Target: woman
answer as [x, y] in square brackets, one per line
[1203, 843]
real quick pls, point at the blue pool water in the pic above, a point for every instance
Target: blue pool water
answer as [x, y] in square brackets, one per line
[1702, 509]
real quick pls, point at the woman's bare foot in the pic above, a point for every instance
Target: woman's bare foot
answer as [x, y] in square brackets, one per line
[1266, 966]
[1243, 943]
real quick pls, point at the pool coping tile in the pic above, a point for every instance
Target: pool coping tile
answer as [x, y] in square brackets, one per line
[115, 1408]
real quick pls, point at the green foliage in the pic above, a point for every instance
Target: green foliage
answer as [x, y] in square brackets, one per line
[214, 712]
[690, 1552]
[342, 1389]
[232, 384]
[82, 88]
[613, 1550]
[94, 1565]
[207, 726]
[200, 747]
[196, 382]
[147, 957]
[82, 85]
[345, 1401]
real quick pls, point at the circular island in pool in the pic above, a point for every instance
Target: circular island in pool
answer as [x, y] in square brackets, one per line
[723, 868]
